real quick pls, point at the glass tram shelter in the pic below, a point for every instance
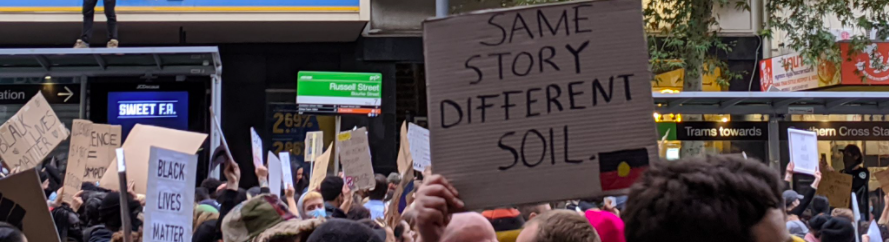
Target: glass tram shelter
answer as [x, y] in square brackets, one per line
[756, 123]
[93, 83]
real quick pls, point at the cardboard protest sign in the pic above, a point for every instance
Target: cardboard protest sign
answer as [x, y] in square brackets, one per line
[883, 178]
[170, 197]
[274, 174]
[314, 145]
[557, 92]
[803, 150]
[393, 213]
[319, 170]
[287, 174]
[104, 139]
[355, 157]
[24, 206]
[418, 138]
[138, 146]
[404, 160]
[836, 187]
[29, 135]
[78, 154]
[256, 145]
[222, 142]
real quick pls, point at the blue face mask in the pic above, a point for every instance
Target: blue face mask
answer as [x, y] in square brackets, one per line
[318, 213]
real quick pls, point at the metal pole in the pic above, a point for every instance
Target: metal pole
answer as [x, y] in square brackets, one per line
[336, 140]
[441, 8]
[774, 143]
[124, 194]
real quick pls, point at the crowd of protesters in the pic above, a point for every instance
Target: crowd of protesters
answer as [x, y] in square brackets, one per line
[705, 198]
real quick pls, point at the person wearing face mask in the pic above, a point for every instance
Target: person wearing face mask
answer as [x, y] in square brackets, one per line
[311, 205]
[853, 165]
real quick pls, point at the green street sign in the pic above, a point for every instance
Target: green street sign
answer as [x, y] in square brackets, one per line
[339, 88]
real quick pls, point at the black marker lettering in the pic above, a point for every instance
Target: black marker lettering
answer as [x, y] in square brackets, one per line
[577, 19]
[518, 17]
[550, 99]
[456, 108]
[565, 129]
[515, 154]
[576, 53]
[515, 62]
[500, 62]
[541, 19]
[598, 86]
[477, 71]
[484, 106]
[627, 85]
[529, 101]
[502, 31]
[506, 104]
[571, 94]
[524, 140]
[552, 53]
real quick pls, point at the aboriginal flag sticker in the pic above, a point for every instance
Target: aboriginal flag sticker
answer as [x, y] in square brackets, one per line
[619, 169]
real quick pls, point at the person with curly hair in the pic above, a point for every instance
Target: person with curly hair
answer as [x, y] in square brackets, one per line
[705, 199]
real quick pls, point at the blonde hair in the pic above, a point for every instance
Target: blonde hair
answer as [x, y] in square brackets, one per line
[312, 195]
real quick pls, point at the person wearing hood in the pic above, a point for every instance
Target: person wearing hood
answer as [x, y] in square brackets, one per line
[837, 229]
[311, 205]
[854, 165]
[110, 218]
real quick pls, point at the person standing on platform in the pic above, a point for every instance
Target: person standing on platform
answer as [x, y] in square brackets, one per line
[89, 9]
[854, 165]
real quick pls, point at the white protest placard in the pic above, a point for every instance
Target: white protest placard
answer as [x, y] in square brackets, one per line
[24, 206]
[29, 135]
[256, 144]
[557, 92]
[418, 138]
[355, 157]
[314, 145]
[274, 174]
[803, 150]
[169, 202]
[284, 156]
[874, 231]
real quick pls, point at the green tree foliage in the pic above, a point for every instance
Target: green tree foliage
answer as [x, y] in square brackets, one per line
[805, 31]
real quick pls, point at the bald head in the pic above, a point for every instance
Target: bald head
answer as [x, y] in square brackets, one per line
[469, 227]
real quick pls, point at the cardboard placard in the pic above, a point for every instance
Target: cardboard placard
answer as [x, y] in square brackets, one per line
[274, 174]
[355, 157]
[836, 187]
[314, 145]
[418, 138]
[256, 145]
[287, 174]
[138, 146]
[404, 160]
[29, 135]
[169, 200]
[319, 170]
[883, 178]
[223, 142]
[557, 92]
[104, 139]
[393, 214]
[78, 154]
[25, 206]
[803, 151]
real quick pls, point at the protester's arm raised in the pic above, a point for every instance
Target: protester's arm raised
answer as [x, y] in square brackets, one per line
[436, 200]
[291, 202]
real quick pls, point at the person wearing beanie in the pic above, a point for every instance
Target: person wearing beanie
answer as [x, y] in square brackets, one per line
[343, 230]
[815, 224]
[837, 229]
[250, 218]
[336, 202]
[820, 205]
[609, 227]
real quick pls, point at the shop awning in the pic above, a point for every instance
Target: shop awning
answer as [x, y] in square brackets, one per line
[65, 62]
[740, 103]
